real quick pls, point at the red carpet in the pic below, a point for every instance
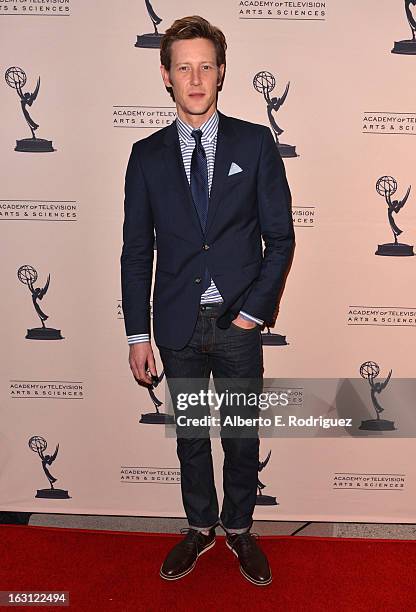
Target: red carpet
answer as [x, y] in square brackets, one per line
[110, 570]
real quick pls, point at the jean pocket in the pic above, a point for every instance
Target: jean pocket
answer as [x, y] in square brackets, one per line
[244, 330]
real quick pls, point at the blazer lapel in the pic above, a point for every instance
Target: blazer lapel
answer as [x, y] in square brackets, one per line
[176, 179]
[223, 159]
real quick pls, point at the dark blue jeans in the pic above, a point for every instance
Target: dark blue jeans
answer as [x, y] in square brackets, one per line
[226, 353]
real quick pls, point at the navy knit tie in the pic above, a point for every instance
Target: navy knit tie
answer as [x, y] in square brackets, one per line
[199, 189]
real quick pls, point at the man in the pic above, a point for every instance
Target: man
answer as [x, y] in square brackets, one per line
[210, 187]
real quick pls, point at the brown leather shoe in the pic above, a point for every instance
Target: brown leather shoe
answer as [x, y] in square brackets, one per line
[253, 562]
[183, 557]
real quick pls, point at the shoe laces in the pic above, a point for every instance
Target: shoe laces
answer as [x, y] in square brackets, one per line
[193, 537]
[246, 540]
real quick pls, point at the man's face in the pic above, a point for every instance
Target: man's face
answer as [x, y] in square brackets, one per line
[194, 77]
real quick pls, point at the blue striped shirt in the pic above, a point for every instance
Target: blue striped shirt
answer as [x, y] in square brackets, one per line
[187, 143]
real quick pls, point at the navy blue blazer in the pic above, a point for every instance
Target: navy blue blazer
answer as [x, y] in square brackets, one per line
[243, 208]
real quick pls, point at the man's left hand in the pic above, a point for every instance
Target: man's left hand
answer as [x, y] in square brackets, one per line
[240, 322]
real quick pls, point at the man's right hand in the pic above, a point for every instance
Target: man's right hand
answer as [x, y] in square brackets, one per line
[141, 359]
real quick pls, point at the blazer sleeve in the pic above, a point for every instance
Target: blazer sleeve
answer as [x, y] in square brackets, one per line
[276, 226]
[137, 252]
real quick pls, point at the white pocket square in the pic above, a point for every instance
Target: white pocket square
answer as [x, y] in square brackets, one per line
[234, 168]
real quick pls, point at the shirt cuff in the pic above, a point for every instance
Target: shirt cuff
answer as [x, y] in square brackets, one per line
[138, 338]
[249, 317]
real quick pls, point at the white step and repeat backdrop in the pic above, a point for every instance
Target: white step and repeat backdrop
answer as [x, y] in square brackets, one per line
[73, 436]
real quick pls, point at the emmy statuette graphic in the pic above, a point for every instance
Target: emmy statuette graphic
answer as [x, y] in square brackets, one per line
[261, 499]
[264, 82]
[370, 370]
[16, 78]
[386, 186]
[28, 276]
[156, 418]
[150, 41]
[408, 47]
[270, 339]
[38, 445]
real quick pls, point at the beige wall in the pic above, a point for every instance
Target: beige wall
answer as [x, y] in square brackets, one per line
[340, 69]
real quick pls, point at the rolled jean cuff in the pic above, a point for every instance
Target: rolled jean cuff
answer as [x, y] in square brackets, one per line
[242, 530]
[202, 528]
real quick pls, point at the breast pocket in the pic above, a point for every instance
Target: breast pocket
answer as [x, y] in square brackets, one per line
[236, 182]
[236, 178]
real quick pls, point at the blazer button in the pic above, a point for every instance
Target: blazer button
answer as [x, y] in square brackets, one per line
[197, 280]
[206, 247]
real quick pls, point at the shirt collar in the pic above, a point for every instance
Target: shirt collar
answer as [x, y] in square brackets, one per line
[209, 129]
